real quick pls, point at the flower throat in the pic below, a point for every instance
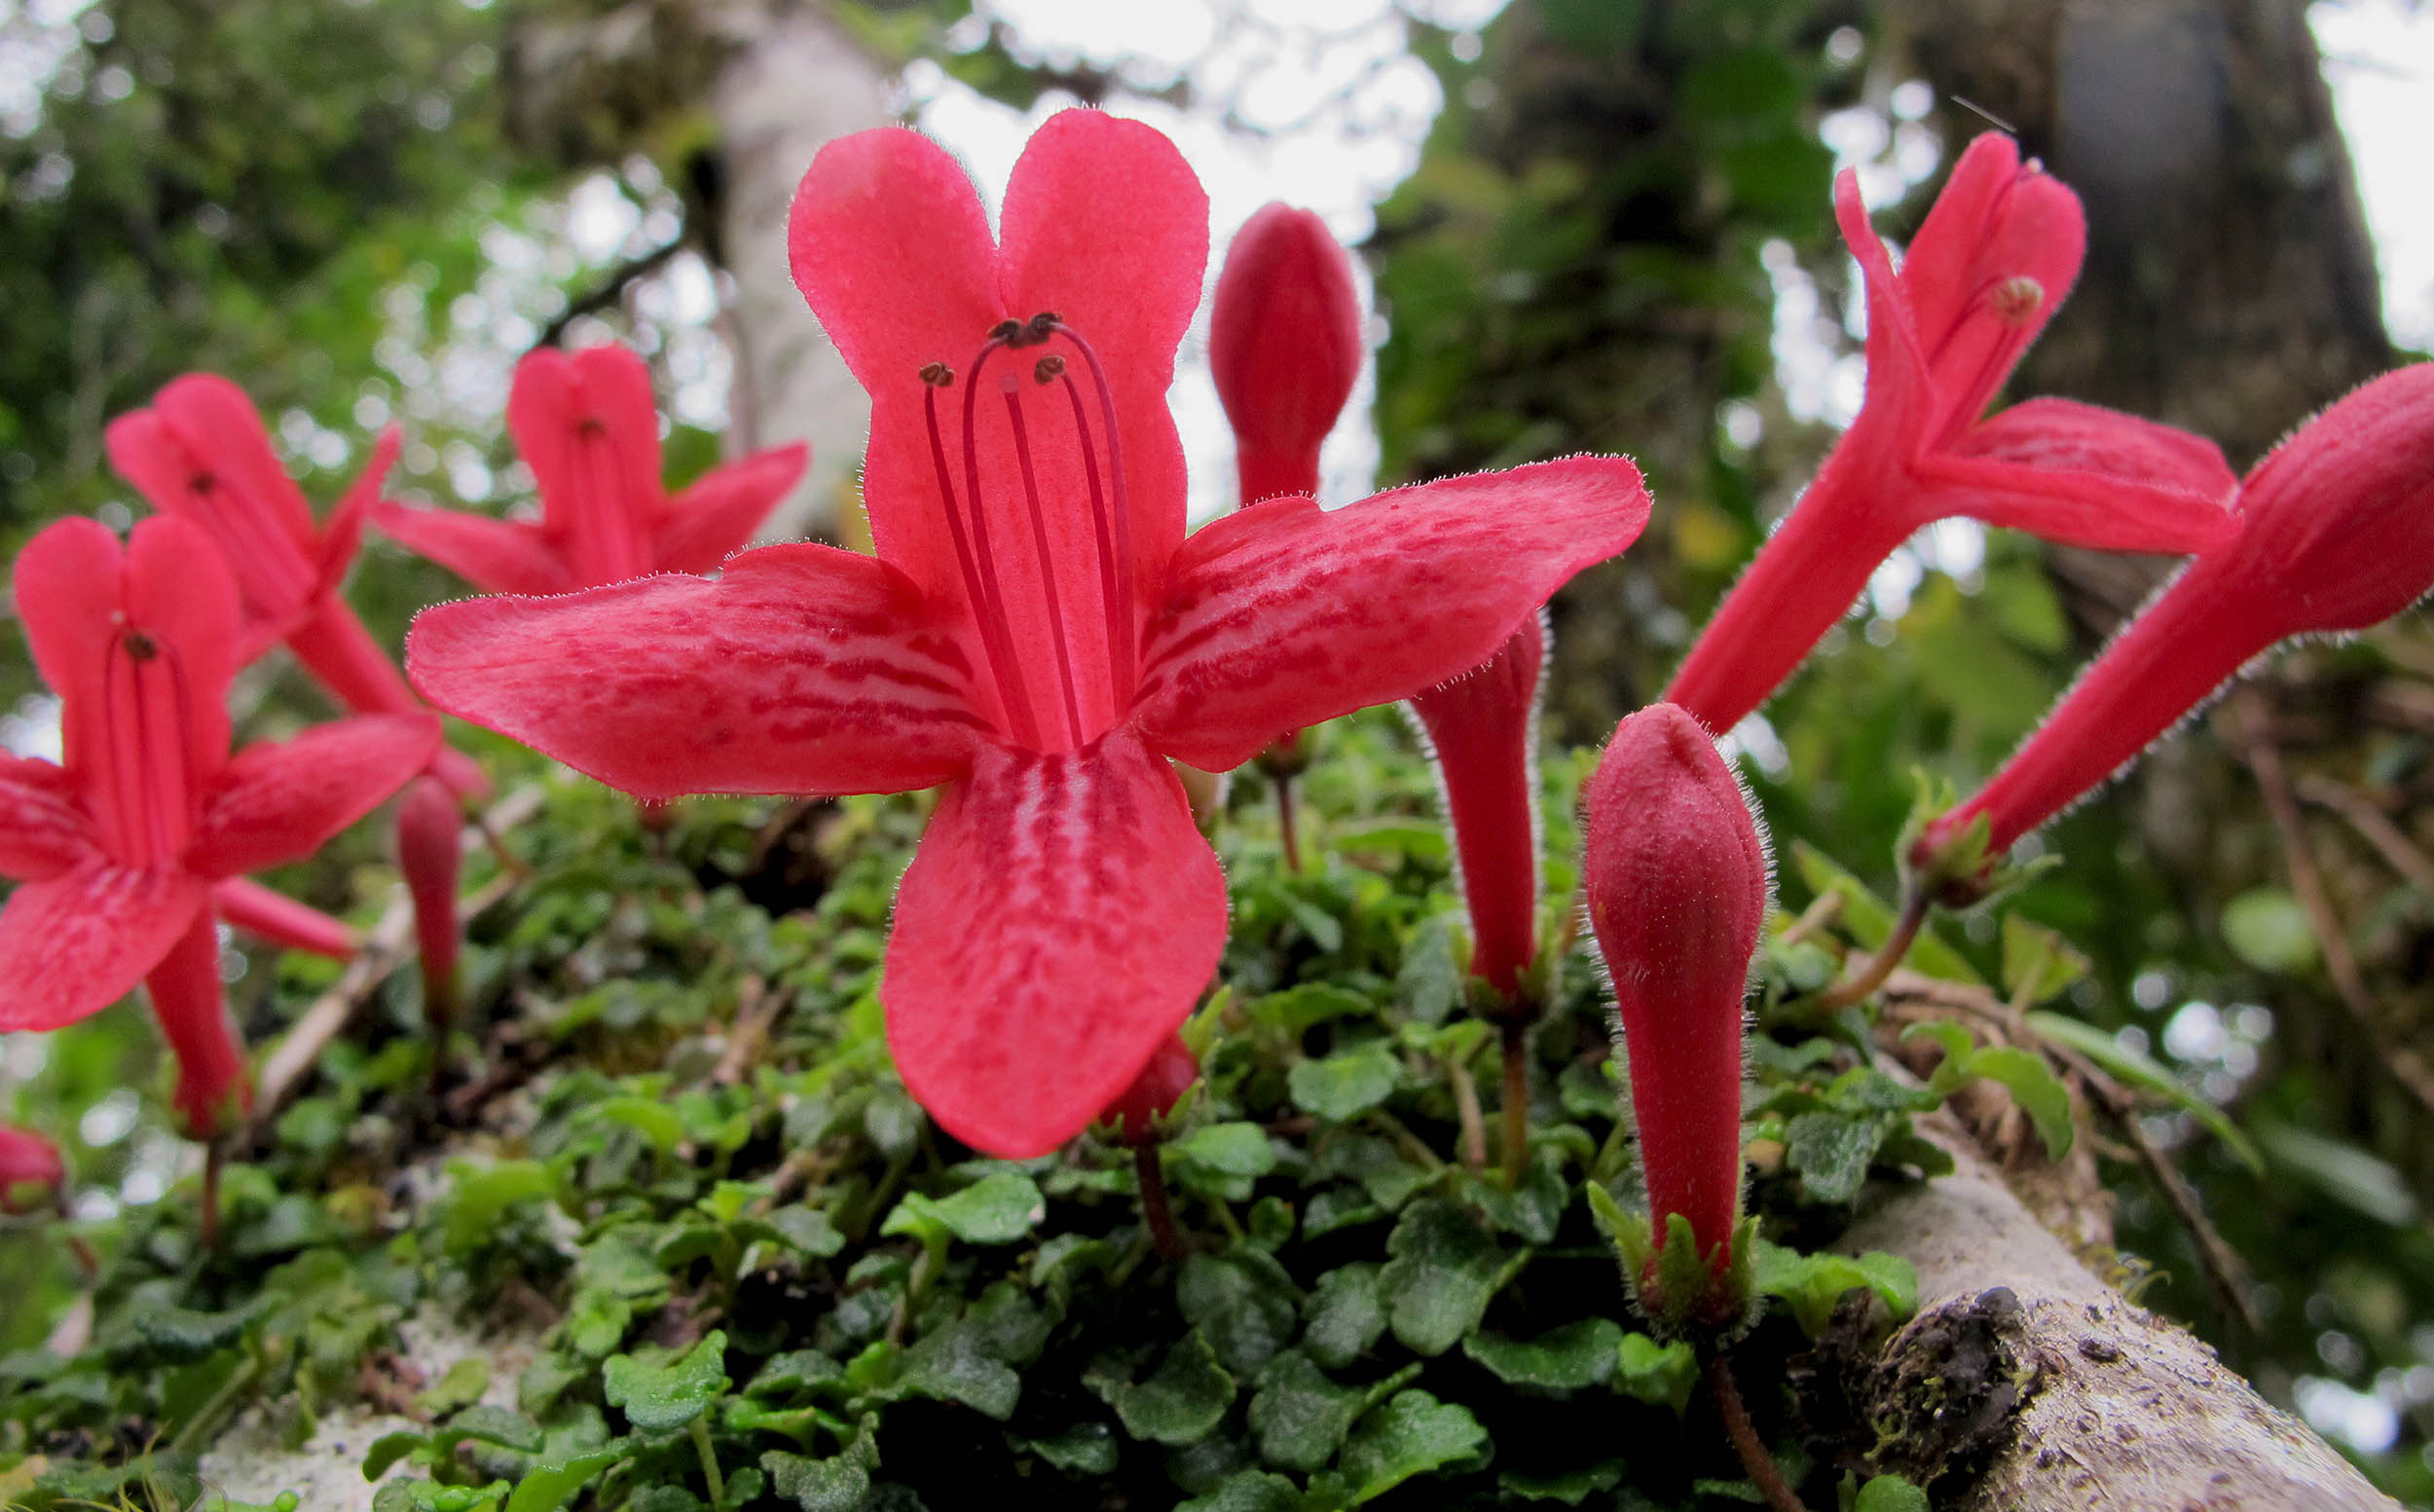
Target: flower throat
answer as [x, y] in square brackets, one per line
[967, 522]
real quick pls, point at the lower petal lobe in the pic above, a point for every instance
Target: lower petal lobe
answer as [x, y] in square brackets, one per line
[73, 946]
[802, 670]
[1059, 923]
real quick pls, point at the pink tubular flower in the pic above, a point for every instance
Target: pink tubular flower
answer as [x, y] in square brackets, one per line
[31, 1172]
[1989, 267]
[586, 426]
[1677, 877]
[117, 851]
[1481, 731]
[2338, 535]
[1284, 343]
[430, 854]
[1036, 635]
[201, 454]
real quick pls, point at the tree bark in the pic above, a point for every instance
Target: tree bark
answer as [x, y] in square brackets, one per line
[2048, 1391]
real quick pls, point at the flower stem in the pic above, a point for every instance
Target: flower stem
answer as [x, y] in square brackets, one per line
[209, 1230]
[1516, 1099]
[1466, 1108]
[1914, 909]
[1155, 1210]
[709, 1461]
[1285, 832]
[1764, 1473]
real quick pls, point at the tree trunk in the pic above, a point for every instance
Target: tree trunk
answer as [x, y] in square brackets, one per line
[2047, 1392]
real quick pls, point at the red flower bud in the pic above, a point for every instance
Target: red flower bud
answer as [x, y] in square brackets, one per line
[30, 1170]
[1483, 732]
[1285, 343]
[430, 852]
[2338, 535]
[214, 1092]
[1171, 1070]
[1676, 873]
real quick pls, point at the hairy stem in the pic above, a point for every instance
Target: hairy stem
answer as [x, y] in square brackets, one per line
[1155, 1210]
[1285, 832]
[1466, 1108]
[1516, 1100]
[1915, 906]
[1764, 1473]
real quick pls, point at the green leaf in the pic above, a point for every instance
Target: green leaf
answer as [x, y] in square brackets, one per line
[1810, 1285]
[2032, 1084]
[1657, 1374]
[1889, 1494]
[1299, 1416]
[1831, 1153]
[1411, 1435]
[1247, 1490]
[806, 1231]
[997, 1209]
[1233, 1149]
[2141, 1070]
[1295, 1011]
[549, 1485]
[2267, 927]
[501, 1425]
[952, 1366]
[1242, 1302]
[2037, 962]
[1182, 1400]
[663, 1398]
[1578, 1355]
[836, 1484]
[1346, 1315]
[1087, 1448]
[480, 1199]
[461, 1383]
[2343, 1173]
[1444, 1272]
[1347, 1085]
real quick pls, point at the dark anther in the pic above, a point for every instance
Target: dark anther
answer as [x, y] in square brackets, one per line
[938, 374]
[1007, 331]
[591, 426]
[204, 483]
[140, 646]
[2017, 299]
[1042, 325]
[1047, 369]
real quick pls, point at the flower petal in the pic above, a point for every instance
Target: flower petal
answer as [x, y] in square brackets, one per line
[1284, 615]
[496, 556]
[892, 250]
[801, 669]
[1996, 221]
[2087, 476]
[67, 592]
[279, 801]
[78, 942]
[716, 516]
[1106, 225]
[342, 534]
[249, 906]
[1892, 423]
[1055, 927]
[42, 831]
[202, 453]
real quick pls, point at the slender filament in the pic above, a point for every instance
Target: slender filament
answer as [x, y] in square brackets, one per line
[1048, 563]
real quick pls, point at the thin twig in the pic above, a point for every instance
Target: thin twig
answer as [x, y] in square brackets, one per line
[2228, 1272]
[1285, 832]
[384, 952]
[1764, 1473]
[1516, 1106]
[2264, 760]
[1914, 910]
[610, 290]
[1156, 1211]
[1466, 1109]
[2374, 826]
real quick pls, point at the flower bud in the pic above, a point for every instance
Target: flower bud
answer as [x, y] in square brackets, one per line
[31, 1172]
[430, 853]
[1284, 343]
[1676, 877]
[1483, 733]
[1170, 1072]
[2338, 535]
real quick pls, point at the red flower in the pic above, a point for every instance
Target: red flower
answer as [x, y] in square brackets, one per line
[1987, 270]
[1136, 1113]
[1036, 634]
[430, 855]
[117, 851]
[1483, 732]
[2338, 535]
[30, 1170]
[1675, 874]
[1284, 343]
[586, 426]
[201, 454]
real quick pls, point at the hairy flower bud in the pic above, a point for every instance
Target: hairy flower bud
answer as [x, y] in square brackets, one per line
[1483, 732]
[1676, 877]
[1135, 1115]
[430, 853]
[1286, 345]
[2338, 535]
[30, 1170]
